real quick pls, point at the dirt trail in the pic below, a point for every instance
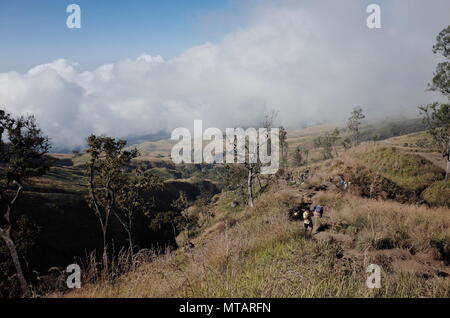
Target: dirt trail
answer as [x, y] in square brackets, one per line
[434, 157]
[423, 264]
[391, 260]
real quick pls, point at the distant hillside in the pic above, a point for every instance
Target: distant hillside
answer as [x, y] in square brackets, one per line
[388, 129]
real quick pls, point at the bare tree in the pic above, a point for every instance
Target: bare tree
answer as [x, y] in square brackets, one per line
[23, 150]
[251, 165]
[245, 150]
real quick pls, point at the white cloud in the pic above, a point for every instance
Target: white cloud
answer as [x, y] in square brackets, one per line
[312, 60]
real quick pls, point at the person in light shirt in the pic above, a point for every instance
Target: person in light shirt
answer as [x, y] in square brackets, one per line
[307, 221]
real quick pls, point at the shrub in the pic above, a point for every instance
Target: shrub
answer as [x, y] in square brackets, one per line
[442, 248]
[438, 194]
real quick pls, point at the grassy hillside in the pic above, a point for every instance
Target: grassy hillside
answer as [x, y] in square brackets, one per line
[395, 214]
[262, 254]
[54, 224]
[259, 252]
[410, 171]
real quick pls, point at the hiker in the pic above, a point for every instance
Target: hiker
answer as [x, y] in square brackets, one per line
[318, 211]
[344, 184]
[307, 221]
[318, 214]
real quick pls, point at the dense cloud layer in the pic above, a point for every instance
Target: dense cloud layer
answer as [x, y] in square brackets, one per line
[311, 60]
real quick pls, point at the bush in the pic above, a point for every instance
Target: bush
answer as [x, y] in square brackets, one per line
[442, 248]
[438, 194]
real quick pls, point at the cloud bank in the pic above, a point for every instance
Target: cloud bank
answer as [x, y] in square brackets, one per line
[313, 61]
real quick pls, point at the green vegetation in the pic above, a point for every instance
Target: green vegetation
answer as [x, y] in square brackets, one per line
[437, 115]
[264, 255]
[438, 194]
[235, 249]
[388, 129]
[23, 155]
[354, 124]
[410, 171]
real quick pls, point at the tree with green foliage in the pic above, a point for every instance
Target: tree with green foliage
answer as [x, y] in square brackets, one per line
[441, 79]
[437, 115]
[133, 198]
[186, 221]
[284, 148]
[437, 119]
[354, 123]
[23, 155]
[106, 178]
[347, 143]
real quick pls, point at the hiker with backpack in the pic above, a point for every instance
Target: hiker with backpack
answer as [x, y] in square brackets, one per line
[318, 214]
[318, 211]
[307, 221]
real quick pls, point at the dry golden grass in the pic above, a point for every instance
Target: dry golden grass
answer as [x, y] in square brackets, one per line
[260, 253]
[265, 255]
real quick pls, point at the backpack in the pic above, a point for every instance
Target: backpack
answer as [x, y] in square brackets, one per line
[319, 209]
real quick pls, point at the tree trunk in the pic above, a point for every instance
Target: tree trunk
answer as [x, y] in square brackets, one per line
[259, 182]
[130, 246]
[130, 237]
[447, 175]
[250, 187]
[128, 228]
[105, 254]
[15, 257]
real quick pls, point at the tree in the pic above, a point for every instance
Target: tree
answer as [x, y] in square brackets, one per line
[284, 147]
[437, 118]
[250, 160]
[232, 177]
[354, 123]
[186, 221]
[301, 156]
[347, 143]
[133, 199]
[23, 155]
[437, 115]
[375, 138]
[328, 143]
[441, 79]
[106, 172]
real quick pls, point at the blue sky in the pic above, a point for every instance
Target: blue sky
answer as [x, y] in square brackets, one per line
[35, 32]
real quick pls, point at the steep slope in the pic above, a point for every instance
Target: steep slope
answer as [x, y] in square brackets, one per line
[259, 252]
